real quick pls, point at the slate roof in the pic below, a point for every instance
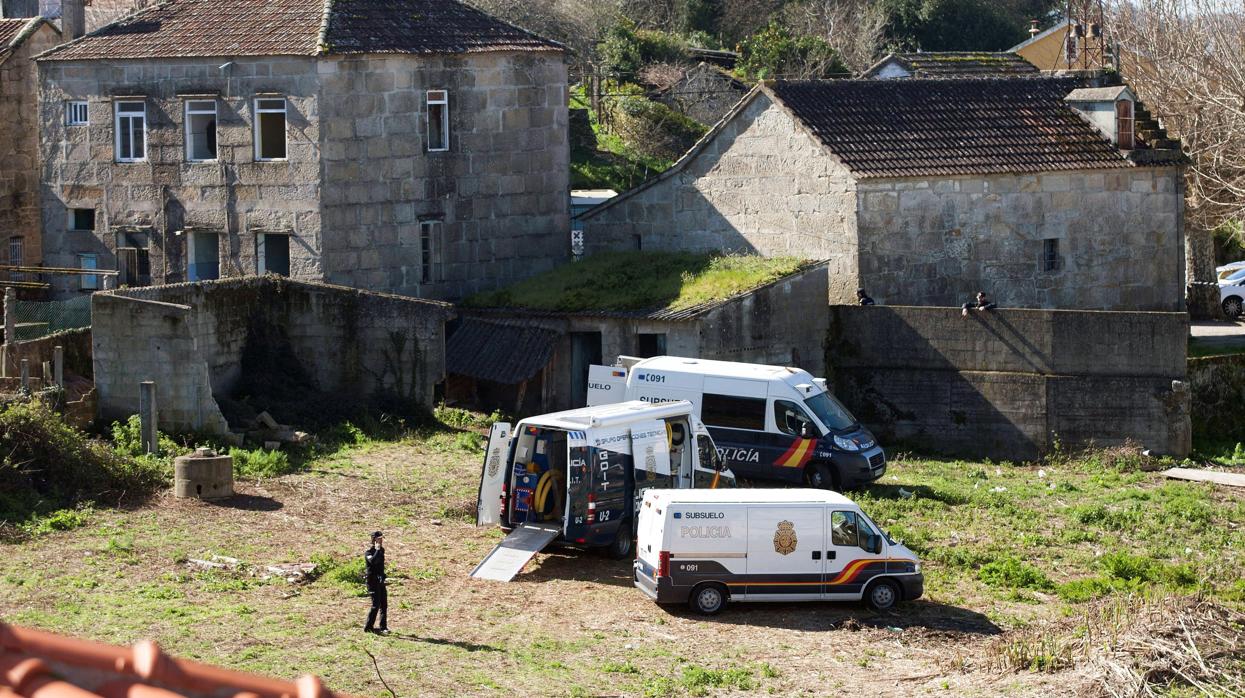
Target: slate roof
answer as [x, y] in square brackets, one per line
[498, 352]
[918, 127]
[946, 64]
[227, 28]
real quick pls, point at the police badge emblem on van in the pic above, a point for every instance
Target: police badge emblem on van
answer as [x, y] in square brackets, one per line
[785, 539]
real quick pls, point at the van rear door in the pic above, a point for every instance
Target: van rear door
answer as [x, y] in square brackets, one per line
[492, 475]
[606, 385]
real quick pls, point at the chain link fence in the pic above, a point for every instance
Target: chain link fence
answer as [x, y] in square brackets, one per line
[37, 319]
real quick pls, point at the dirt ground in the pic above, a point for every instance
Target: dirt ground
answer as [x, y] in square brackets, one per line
[570, 624]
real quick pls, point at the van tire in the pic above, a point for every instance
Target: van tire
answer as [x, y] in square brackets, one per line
[708, 598]
[623, 546]
[883, 594]
[821, 476]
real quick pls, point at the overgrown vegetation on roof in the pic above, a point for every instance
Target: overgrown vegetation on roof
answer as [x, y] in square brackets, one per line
[640, 281]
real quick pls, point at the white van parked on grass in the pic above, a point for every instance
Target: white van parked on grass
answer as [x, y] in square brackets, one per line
[769, 422]
[708, 547]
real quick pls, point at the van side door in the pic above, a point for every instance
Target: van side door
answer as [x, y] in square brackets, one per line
[610, 481]
[492, 475]
[651, 449]
[851, 564]
[786, 552]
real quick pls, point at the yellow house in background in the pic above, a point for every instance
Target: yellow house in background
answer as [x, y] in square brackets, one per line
[1047, 49]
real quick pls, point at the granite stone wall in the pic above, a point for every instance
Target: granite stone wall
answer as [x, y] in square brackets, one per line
[1009, 384]
[366, 345]
[761, 185]
[1119, 236]
[19, 147]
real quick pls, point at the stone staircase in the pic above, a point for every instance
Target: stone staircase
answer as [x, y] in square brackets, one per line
[1148, 129]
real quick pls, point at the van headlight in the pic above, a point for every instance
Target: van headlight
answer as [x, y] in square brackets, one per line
[846, 444]
[916, 567]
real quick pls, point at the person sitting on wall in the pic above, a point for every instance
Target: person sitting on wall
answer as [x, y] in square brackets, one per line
[983, 303]
[863, 298]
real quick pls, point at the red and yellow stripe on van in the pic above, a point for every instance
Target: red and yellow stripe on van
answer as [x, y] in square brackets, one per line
[798, 455]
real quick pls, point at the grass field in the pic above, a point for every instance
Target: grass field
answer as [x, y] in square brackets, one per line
[1025, 568]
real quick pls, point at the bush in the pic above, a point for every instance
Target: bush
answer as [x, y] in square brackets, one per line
[626, 49]
[350, 574]
[260, 463]
[774, 52]
[127, 439]
[46, 465]
[652, 129]
[1011, 573]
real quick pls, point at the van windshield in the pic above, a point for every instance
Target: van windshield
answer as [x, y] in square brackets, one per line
[831, 412]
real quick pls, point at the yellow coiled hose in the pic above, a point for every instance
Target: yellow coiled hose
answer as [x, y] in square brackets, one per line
[543, 487]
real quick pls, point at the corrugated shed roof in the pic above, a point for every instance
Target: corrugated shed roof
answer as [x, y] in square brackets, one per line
[919, 127]
[222, 28]
[958, 64]
[37, 664]
[493, 351]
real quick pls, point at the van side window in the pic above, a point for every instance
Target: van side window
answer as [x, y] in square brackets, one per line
[733, 412]
[843, 529]
[789, 417]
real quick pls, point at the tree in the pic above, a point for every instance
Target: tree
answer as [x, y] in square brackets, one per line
[959, 25]
[1183, 57]
[774, 52]
[627, 49]
[853, 28]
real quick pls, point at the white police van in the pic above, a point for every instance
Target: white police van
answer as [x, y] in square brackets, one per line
[577, 477]
[769, 422]
[708, 547]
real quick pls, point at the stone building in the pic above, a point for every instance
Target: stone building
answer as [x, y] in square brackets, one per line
[410, 146]
[924, 191]
[20, 41]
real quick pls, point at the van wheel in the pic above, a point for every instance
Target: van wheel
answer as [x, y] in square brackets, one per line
[708, 599]
[820, 476]
[623, 546]
[883, 595]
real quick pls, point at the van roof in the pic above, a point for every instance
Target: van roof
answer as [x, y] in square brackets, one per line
[749, 495]
[609, 415]
[726, 369]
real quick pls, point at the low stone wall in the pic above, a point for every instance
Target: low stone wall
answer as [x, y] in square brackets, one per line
[1009, 384]
[77, 345]
[1217, 386]
[360, 343]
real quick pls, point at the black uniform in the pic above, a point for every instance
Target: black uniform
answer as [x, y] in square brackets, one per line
[375, 558]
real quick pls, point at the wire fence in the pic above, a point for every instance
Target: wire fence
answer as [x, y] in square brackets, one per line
[37, 319]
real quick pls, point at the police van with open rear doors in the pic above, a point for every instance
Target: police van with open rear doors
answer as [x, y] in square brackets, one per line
[708, 547]
[769, 422]
[577, 477]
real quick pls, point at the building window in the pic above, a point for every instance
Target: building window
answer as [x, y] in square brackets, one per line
[1124, 124]
[438, 120]
[76, 114]
[428, 232]
[134, 257]
[16, 250]
[88, 282]
[131, 127]
[270, 129]
[272, 252]
[201, 130]
[203, 261]
[650, 345]
[1050, 254]
[82, 219]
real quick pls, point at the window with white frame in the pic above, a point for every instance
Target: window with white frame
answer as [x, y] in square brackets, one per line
[272, 253]
[429, 231]
[131, 128]
[88, 282]
[76, 113]
[200, 130]
[270, 128]
[438, 120]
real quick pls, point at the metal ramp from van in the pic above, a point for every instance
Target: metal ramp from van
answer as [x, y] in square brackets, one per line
[510, 555]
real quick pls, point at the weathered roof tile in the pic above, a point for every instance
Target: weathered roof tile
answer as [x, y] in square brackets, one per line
[947, 64]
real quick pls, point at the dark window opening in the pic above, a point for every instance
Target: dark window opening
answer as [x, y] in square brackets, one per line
[649, 345]
[733, 412]
[273, 253]
[428, 231]
[1050, 254]
[82, 218]
[204, 257]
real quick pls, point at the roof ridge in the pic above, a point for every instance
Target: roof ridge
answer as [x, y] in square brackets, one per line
[322, 41]
[122, 18]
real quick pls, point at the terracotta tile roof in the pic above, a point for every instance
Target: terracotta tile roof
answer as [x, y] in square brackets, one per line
[962, 64]
[915, 127]
[14, 31]
[225, 28]
[36, 664]
[423, 26]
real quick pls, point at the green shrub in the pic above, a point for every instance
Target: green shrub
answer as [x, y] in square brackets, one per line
[1081, 590]
[652, 129]
[1012, 573]
[350, 574]
[458, 418]
[1125, 566]
[775, 52]
[260, 463]
[46, 465]
[127, 439]
[626, 49]
[60, 520]
[697, 680]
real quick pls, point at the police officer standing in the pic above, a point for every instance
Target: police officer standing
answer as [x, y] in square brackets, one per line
[375, 559]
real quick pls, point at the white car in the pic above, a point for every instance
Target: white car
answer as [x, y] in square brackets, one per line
[1232, 296]
[1229, 270]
